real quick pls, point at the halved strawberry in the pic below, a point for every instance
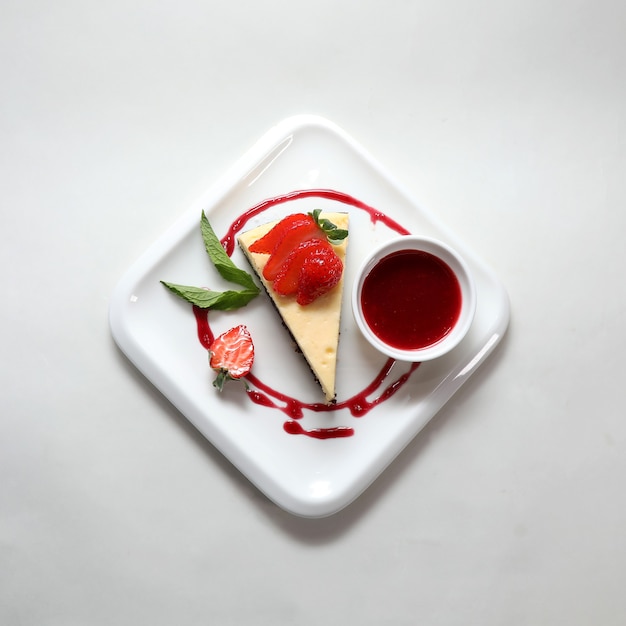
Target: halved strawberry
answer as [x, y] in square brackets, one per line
[320, 272]
[267, 243]
[293, 237]
[288, 276]
[231, 355]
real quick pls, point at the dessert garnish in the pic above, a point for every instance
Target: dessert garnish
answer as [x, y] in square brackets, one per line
[302, 261]
[311, 270]
[332, 231]
[219, 300]
[231, 355]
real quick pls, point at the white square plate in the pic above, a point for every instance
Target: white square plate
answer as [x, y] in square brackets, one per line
[157, 331]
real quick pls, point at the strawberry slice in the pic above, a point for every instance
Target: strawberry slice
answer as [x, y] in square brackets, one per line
[267, 243]
[288, 276]
[291, 239]
[231, 355]
[320, 272]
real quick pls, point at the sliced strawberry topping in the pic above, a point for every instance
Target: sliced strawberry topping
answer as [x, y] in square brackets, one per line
[288, 276]
[231, 355]
[302, 262]
[291, 239]
[320, 272]
[267, 243]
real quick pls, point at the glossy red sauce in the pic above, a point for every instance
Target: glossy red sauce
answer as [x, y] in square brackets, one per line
[385, 384]
[295, 428]
[411, 299]
[379, 390]
[205, 333]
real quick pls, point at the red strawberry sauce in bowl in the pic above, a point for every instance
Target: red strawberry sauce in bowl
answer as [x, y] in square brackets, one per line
[414, 298]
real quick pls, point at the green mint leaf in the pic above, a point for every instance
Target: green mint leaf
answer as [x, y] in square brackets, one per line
[219, 300]
[207, 299]
[337, 235]
[326, 224]
[223, 263]
[334, 234]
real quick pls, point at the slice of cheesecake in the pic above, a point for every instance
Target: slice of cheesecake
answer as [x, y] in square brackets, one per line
[315, 326]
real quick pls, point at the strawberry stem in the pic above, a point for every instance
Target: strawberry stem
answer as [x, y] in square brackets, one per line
[220, 379]
[332, 232]
[223, 376]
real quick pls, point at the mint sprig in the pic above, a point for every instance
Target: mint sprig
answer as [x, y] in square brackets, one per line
[209, 299]
[333, 233]
[223, 263]
[219, 300]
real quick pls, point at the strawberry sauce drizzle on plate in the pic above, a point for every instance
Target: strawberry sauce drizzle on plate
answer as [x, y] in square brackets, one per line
[358, 405]
[264, 395]
[329, 194]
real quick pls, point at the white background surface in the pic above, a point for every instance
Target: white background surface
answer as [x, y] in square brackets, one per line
[505, 118]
